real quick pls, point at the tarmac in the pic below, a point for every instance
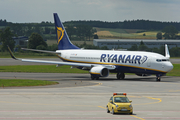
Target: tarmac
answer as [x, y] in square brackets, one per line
[79, 97]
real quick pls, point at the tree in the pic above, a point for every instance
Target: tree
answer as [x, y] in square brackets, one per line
[96, 36]
[159, 35]
[6, 38]
[70, 31]
[35, 40]
[170, 32]
[133, 47]
[142, 47]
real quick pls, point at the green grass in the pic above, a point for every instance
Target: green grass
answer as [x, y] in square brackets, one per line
[27, 55]
[40, 69]
[20, 83]
[175, 71]
[62, 69]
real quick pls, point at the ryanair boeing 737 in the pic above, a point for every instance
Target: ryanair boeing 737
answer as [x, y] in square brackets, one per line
[101, 62]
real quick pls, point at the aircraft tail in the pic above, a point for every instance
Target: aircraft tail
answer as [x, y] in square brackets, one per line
[62, 38]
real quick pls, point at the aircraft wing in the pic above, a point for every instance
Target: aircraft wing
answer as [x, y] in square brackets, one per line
[110, 67]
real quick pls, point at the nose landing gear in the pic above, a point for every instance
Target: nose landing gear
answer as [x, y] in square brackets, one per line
[158, 78]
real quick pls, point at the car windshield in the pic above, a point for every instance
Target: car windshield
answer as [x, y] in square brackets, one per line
[121, 99]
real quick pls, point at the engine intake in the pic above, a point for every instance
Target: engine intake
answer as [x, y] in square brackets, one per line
[101, 71]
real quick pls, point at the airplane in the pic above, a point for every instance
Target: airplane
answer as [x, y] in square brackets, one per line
[102, 62]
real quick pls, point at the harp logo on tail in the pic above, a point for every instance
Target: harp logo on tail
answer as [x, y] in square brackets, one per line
[60, 33]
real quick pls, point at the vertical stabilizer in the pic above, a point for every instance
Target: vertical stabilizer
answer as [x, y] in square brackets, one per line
[62, 38]
[167, 55]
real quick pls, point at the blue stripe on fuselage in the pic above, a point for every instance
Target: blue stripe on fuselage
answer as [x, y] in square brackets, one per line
[128, 69]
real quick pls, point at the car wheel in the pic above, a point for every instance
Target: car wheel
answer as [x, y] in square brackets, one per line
[131, 113]
[107, 109]
[113, 111]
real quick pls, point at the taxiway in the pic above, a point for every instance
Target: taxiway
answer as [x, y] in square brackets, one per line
[78, 97]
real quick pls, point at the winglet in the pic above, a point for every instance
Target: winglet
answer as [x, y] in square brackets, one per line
[167, 55]
[11, 53]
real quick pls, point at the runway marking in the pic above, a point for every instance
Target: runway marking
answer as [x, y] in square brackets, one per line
[159, 100]
[137, 117]
[102, 107]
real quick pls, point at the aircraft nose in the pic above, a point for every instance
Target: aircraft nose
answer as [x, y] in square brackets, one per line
[169, 66]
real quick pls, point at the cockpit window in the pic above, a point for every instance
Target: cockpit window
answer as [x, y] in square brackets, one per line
[160, 60]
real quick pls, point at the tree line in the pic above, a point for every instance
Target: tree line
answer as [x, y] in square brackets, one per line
[79, 32]
[174, 52]
[126, 24]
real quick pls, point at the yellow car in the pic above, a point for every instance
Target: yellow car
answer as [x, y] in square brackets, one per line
[119, 103]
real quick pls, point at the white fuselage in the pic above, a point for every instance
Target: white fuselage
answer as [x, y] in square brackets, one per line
[133, 60]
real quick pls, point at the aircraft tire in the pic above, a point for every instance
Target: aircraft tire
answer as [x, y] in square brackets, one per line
[92, 77]
[120, 76]
[113, 111]
[158, 79]
[107, 109]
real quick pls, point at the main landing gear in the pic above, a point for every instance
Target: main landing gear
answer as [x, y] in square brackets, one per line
[94, 78]
[120, 76]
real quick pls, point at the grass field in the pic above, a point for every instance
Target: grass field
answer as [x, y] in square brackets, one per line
[62, 69]
[105, 33]
[27, 55]
[20, 83]
[40, 69]
[175, 71]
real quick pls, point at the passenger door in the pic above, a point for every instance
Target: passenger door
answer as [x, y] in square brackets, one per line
[149, 62]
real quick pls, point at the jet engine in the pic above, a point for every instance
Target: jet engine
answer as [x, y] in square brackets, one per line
[100, 71]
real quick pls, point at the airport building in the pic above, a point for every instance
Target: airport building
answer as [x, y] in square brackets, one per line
[127, 43]
[21, 41]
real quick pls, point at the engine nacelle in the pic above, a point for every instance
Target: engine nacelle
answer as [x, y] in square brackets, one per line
[99, 71]
[138, 74]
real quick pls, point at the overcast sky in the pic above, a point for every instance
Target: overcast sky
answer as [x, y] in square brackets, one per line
[24, 11]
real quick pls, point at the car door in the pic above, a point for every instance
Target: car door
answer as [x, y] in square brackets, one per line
[110, 103]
